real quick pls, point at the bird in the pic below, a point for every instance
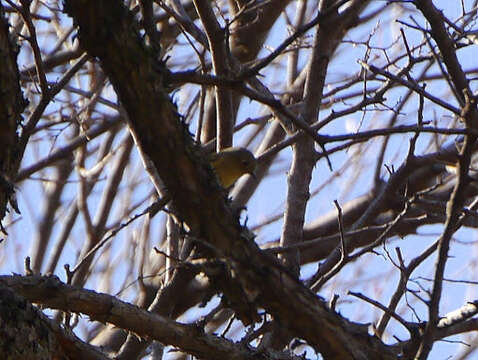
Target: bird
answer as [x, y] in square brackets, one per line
[231, 163]
[228, 164]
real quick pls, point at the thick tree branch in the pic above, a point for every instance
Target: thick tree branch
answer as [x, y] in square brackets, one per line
[52, 293]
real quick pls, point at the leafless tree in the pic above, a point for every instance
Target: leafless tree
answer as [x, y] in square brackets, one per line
[354, 240]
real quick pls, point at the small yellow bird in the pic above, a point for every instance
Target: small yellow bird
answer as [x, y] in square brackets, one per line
[228, 164]
[231, 163]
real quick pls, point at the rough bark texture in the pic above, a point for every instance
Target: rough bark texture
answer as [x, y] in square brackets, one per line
[24, 334]
[11, 107]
